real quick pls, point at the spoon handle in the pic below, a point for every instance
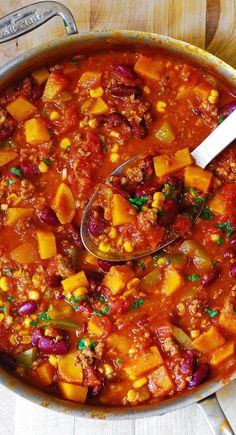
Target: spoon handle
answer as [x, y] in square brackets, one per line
[216, 142]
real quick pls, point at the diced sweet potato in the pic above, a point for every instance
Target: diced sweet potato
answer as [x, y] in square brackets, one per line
[56, 83]
[21, 109]
[64, 204]
[227, 321]
[36, 131]
[47, 244]
[144, 362]
[45, 373]
[99, 107]
[209, 340]
[25, 253]
[172, 280]
[74, 392]
[202, 91]
[165, 133]
[160, 383]
[149, 68]
[117, 278]
[6, 157]
[69, 369]
[40, 75]
[90, 260]
[165, 165]
[16, 213]
[113, 394]
[221, 353]
[120, 343]
[197, 178]
[75, 281]
[94, 328]
[217, 204]
[122, 212]
[90, 78]
[198, 253]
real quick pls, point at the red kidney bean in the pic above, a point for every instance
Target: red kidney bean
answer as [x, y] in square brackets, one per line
[232, 271]
[104, 265]
[115, 120]
[28, 307]
[95, 279]
[200, 375]
[53, 281]
[170, 212]
[233, 243]
[138, 130]
[177, 184]
[29, 169]
[37, 334]
[48, 216]
[96, 223]
[228, 253]
[147, 188]
[121, 91]
[8, 361]
[49, 346]
[209, 277]
[189, 363]
[127, 71]
[95, 390]
[227, 109]
[37, 92]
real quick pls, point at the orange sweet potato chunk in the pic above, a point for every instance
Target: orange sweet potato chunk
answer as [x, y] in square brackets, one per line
[25, 253]
[117, 278]
[64, 204]
[14, 214]
[122, 212]
[45, 373]
[69, 369]
[197, 178]
[76, 393]
[209, 340]
[160, 383]
[20, 109]
[221, 353]
[165, 165]
[227, 321]
[36, 131]
[55, 84]
[47, 244]
[6, 157]
[145, 362]
[172, 280]
[149, 68]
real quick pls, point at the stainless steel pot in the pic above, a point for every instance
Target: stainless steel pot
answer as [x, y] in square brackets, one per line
[25, 20]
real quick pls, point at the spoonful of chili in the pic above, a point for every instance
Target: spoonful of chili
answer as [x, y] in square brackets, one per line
[150, 201]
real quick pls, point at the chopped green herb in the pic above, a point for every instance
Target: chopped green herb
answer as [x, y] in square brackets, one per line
[93, 345]
[198, 199]
[188, 215]
[74, 299]
[220, 241]
[234, 312]
[8, 271]
[142, 266]
[2, 309]
[104, 148]
[102, 312]
[34, 323]
[75, 307]
[167, 260]
[10, 181]
[221, 119]
[138, 201]
[120, 361]
[226, 227]
[193, 277]
[161, 212]
[212, 313]
[136, 304]
[206, 214]
[16, 171]
[10, 298]
[81, 345]
[48, 161]
[44, 316]
[169, 191]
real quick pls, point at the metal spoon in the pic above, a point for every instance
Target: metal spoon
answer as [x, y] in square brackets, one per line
[216, 142]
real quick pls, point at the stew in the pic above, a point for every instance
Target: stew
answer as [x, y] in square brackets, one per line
[86, 329]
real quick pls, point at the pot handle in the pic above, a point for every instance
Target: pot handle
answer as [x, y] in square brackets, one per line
[30, 17]
[215, 417]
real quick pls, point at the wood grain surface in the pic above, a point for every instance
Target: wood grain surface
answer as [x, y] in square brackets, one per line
[210, 24]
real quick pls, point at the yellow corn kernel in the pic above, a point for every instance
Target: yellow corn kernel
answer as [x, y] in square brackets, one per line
[53, 360]
[1, 317]
[145, 208]
[104, 247]
[215, 93]
[140, 382]
[181, 309]
[133, 283]
[114, 157]
[128, 246]
[132, 396]
[3, 284]
[95, 93]
[146, 90]
[132, 350]
[114, 133]
[93, 123]
[4, 207]
[128, 293]
[13, 340]
[108, 369]
[1, 303]
[158, 200]
[161, 106]
[217, 181]
[195, 333]
[215, 237]
[115, 148]
[213, 97]
[9, 320]
[27, 322]
[65, 143]
[113, 233]
[82, 124]
[47, 332]
[43, 167]
[36, 279]
[33, 295]
[80, 292]
[161, 261]
[120, 241]
[54, 115]
[26, 339]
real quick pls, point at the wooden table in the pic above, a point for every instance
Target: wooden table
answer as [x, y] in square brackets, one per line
[207, 23]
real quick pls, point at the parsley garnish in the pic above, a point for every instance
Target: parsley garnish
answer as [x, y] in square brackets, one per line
[142, 265]
[10, 298]
[169, 191]
[102, 312]
[193, 277]
[198, 200]
[136, 304]
[212, 313]
[16, 171]
[44, 316]
[34, 323]
[81, 345]
[2, 309]
[226, 227]
[188, 215]
[220, 241]
[74, 299]
[120, 361]
[221, 119]
[8, 271]
[138, 201]
[206, 214]
[93, 345]
[10, 181]
[48, 161]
